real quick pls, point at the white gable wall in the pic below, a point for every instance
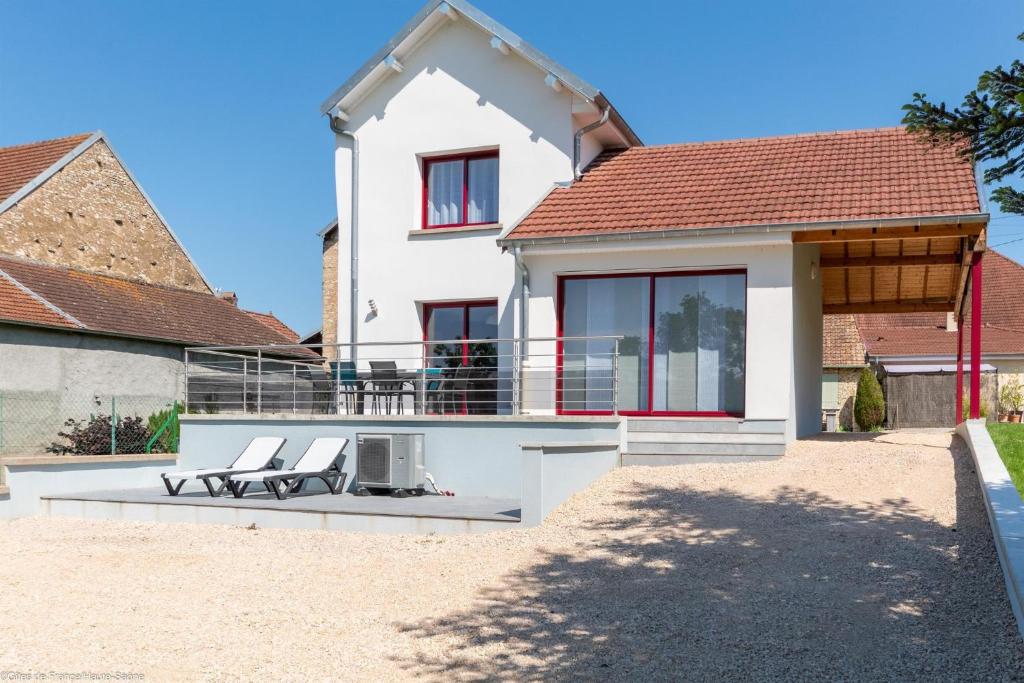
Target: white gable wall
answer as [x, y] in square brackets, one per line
[455, 94]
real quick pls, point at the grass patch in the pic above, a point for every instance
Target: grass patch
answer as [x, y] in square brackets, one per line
[1009, 441]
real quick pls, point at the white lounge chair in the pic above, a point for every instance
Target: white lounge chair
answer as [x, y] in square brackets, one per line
[257, 456]
[320, 461]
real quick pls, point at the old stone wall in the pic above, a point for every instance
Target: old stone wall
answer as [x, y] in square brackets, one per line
[91, 216]
[50, 376]
[330, 293]
[846, 389]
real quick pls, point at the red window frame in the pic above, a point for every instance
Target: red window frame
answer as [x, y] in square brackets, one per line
[650, 412]
[428, 311]
[465, 158]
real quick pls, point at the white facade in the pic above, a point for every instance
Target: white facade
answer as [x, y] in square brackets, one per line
[446, 88]
[455, 94]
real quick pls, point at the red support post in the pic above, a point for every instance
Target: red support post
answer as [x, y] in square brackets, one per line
[959, 417]
[976, 335]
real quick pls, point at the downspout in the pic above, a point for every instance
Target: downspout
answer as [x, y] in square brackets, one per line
[353, 334]
[524, 308]
[577, 142]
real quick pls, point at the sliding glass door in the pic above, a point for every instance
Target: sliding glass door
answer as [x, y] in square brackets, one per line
[597, 307]
[683, 344]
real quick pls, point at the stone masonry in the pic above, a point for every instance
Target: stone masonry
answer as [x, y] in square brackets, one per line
[330, 292]
[91, 216]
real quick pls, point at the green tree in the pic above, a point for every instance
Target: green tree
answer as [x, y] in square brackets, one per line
[989, 124]
[869, 404]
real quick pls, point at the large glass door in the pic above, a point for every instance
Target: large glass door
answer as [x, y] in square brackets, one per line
[683, 348]
[699, 344]
[465, 371]
[604, 306]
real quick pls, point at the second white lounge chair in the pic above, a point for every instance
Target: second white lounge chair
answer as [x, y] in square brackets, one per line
[257, 456]
[320, 461]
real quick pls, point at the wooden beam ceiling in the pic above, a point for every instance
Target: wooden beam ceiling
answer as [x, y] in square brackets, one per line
[869, 234]
[889, 307]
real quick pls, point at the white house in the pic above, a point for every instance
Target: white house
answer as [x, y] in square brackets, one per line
[486, 192]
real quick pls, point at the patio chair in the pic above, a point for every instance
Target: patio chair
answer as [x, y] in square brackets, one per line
[346, 380]
[320, 461]
[456, 390]
[258, 455]
[387, 386]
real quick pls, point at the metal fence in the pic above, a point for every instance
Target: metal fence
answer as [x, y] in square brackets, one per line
[439, 377]
[32, 423]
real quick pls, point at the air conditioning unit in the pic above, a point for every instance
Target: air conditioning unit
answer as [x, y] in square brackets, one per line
[390, 461]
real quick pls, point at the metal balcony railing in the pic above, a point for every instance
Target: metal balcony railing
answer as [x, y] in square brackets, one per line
[549, 375]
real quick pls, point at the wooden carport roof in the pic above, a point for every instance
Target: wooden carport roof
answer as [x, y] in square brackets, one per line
[891, 268]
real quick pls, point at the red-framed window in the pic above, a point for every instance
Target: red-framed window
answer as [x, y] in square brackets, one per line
[683, 351]
[460, 190]
[460, 320]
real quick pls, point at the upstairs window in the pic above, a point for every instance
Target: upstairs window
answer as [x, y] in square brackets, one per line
[460, 190]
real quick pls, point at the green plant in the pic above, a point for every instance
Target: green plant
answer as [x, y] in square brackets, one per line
[94, 436]
[869, 404]
[965, 412]
[1011, 396]
[167, 440]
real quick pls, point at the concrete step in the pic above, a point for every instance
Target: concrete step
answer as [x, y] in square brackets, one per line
[657, 459]
[718, 449]
[702, 425]
[704, 437]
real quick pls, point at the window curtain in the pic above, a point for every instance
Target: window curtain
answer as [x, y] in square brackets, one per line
[482, 205]
[444, 193]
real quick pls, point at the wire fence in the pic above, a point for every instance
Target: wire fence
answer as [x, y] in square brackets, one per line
[75, 424]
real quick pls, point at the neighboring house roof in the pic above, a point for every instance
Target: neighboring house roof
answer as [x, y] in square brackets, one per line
[275, 323]
[326, 230]
[53, 296]
[797, 179]
[842, 344]
[25, 167]
[937, 341]
[21, 164]
[19, 303]
[434, 13]
[925, 334]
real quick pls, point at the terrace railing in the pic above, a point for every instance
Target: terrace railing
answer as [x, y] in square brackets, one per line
[551, 375]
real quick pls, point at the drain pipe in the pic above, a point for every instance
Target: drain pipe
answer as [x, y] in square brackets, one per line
[577, 142]
[524, 307]
[353, 335]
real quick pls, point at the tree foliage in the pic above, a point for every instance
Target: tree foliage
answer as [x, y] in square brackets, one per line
[989, 123]
[869, 404]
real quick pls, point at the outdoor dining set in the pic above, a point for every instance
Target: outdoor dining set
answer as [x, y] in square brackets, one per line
[384, 389]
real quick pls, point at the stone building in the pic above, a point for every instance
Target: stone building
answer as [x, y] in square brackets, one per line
[843, 357]
[98, 297]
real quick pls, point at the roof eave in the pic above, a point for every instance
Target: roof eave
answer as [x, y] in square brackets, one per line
[672, 233]
[506, 35]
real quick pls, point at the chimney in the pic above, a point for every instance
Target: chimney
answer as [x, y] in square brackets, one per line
[230, 297]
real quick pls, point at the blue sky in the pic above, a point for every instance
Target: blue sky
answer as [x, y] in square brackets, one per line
[214, 105]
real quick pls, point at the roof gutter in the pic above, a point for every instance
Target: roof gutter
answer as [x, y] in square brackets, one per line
[354, 240]
[759, 228]
[577, 141]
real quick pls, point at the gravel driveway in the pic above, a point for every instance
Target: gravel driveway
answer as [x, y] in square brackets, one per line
[852, 558]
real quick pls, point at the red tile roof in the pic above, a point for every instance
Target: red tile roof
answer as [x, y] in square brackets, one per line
[18, 304]
[865, 174]
[842, 344]
[126, 307]
[20, 164]
[925, 334]
[275, 323]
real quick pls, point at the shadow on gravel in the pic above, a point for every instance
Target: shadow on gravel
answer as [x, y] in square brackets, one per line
[682, 584]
